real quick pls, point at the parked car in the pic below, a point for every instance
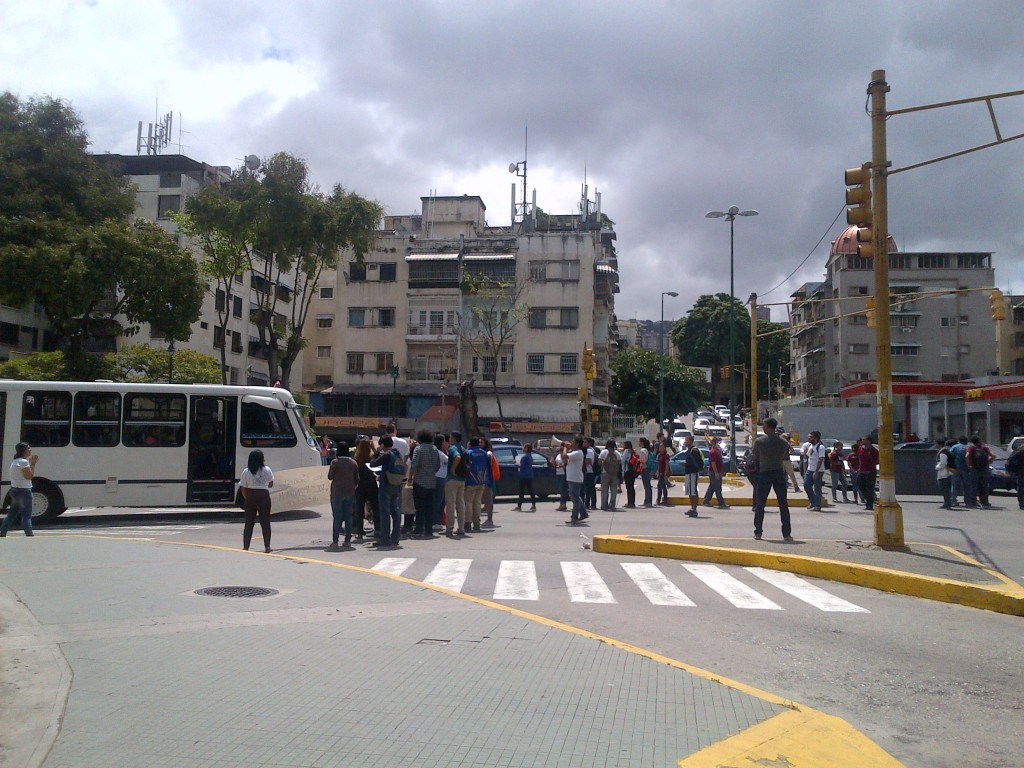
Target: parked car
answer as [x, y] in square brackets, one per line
[549, 446]
[701, 423]
[681, 434]
[918, 445]
[722, 433]
[1001, 479]
[544, 482]
[677, 463]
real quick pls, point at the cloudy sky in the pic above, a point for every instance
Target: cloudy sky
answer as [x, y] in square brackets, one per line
[669, 109]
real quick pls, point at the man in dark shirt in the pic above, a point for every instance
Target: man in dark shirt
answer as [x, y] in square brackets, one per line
[770, 451]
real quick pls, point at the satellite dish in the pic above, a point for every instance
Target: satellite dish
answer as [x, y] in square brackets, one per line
[512, 167]
[252, 162]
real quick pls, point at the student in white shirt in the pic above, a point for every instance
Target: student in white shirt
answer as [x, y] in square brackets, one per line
[256, 482]
[22, 471]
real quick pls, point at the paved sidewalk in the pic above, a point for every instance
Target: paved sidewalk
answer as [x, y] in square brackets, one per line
[109, 657]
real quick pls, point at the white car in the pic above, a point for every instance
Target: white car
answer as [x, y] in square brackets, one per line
[681, 434]
[700, 424]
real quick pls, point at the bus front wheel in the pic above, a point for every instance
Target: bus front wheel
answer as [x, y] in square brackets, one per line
[47, 501]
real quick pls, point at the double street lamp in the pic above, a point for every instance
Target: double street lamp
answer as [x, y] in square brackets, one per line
[730, 216]
[661, 359]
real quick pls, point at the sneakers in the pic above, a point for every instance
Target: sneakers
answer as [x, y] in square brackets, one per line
[476, 528]
[518, 508]
[757, 536]
[724, 506]
[533, 508]
[691, 513]
[787, 538]
[333, 547]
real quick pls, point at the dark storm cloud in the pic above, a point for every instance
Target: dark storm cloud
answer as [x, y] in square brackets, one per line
[671, 108]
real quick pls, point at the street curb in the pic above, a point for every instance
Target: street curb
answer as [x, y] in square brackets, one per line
[800, 736]
[1007, 598]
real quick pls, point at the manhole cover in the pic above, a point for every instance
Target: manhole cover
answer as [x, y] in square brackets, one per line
[236, 591]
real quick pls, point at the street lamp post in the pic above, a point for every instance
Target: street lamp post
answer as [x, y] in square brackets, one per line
[730, 216]
[661, 359]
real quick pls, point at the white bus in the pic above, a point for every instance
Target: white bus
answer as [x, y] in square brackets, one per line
[104, 444]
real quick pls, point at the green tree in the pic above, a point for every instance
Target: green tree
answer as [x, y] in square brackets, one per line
[286, 228]
[142, 363]
[36, 366]
[66, 241]
[636, 383]
[702, 339]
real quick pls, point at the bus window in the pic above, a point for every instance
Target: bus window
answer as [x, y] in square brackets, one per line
[97, 419]
[154, 420]
[46, 418]
[266, 427]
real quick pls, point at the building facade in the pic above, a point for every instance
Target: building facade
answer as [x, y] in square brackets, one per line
[941, 331]
[397, 335]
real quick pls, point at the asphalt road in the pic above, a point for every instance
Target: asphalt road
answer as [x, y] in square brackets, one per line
[934, 684]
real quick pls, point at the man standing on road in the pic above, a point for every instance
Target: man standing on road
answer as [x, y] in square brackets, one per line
[455, 487]
[693, 464]
[716, 471]
[979, 460]
[959, 474]
[1015, 468]
[573, 461]
[479, 477]
[867, 471]
[770, 452]
[526, 478]
[814, 456]
[942, 473]
[344, 477]
[590, 469]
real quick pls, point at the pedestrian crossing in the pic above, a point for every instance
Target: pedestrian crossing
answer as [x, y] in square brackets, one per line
[661, 584]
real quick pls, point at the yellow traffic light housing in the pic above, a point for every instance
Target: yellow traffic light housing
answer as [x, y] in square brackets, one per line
[870, 304]
[589, 366]
[724, 372]
[998, 309]
[858, 195]
[865, 247]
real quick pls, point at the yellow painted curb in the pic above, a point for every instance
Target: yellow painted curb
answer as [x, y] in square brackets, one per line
[798, 733]
[794, 739]
[1007, 598]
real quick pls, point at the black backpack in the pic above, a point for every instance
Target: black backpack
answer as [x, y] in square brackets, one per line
[980, 458]
[461, 470]
[1015, 463]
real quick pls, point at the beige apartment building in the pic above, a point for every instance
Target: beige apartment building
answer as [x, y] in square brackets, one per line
[394, 337]
[946, 337]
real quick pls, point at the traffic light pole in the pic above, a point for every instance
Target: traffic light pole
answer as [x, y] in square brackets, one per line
[888, 513]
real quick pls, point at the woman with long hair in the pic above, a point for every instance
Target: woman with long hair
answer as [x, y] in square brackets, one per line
[256, 482]
[366, 491]
[22, 469]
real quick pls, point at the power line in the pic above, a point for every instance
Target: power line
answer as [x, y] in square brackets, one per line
[811, 253]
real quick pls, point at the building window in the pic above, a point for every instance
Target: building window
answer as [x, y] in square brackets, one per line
[237, 308]
[965, 349]
[166, 205]
[218, 337]
[933, 261]
[544, 317]
[236, 342]
[858, 349]
[964, 320]
[858, 262]
[219, 301]
[364, 317]
[947, 351]
[534, 363]
[568, 363]
[903, 321]
[897, 350]
[538, 318]
[947, 322]
[899, 261]
[327, 292]
[538, 270]
[386, 317]
[354, 362]
[357, 272]
[170, 180]
[972, 260]
[388, 272]
[570, 317]
[565, 271]
[356, 317]
[323, 352]
[859, 375]
[324, 322]
[858, 319]
[385, 361]
[858, 290]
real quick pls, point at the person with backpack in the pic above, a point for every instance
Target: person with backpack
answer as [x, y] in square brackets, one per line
[837, 472]
[979, 460]
[961, 479]
[633, 466]
[942, 473]
[478, 479]
[1015, 468]
[392, 480]
[611, 475]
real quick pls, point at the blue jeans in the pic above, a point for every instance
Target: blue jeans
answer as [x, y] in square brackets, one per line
[389, 521]
[21, 506]
[341, 510]
[714, 489]
[590, 490]
[579, 511]
[438, 516]
[563, 490]
[812, 485]
[838, 482]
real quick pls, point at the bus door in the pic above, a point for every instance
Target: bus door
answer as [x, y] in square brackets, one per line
[212, 437]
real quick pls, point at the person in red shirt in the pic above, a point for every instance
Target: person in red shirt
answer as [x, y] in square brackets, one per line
[716, 471]
[867, 471]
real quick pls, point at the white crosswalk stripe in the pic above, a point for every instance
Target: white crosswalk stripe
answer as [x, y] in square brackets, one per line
[585, 585]
[449, 573]
[517, 580]
[395, 565]
[656, 585]
[803, 590]
[731, 588]
[134, 531]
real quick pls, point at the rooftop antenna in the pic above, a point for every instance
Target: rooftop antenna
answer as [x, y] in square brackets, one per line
[157, 136]
[519, 211]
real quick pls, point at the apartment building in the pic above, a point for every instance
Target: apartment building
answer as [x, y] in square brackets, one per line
[394, 337]
[163, 184]
[943, 337]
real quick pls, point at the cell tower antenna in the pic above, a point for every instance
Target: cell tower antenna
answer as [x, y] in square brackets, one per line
[520, 212]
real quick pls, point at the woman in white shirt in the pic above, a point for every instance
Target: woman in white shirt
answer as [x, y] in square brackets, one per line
[22, 469]
[256, 482]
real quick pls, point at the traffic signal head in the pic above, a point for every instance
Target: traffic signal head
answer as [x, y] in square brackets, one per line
[865, 236]
[858, 195]
[998, 310]
[724, 373]
[870, 303]
[589, 366]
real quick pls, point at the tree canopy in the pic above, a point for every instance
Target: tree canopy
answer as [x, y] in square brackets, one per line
[67, 243]
[636, 383]
[702, 336]
[289, 232]
[142, 363]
